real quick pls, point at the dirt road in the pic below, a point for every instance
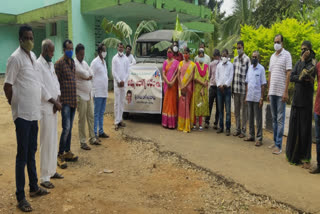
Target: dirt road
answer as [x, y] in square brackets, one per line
[256, 169]
[145, 180]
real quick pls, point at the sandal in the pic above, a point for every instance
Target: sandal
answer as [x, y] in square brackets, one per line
[306, 165]
[95, 143]
[47, 184]
[24, 206]
[249, 139]
[39, 192]
[258, 143]
[57, 176]
[84, 146]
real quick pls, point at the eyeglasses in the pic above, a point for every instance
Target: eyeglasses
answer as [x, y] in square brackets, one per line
[304, 49]
[277, 42]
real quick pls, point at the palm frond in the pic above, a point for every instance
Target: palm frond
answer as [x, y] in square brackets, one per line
[124, 28]
[188, 35]
[163, 45]
[228, 42]
[145, 27]
[111, 42]
[110, 27]
[107, 26]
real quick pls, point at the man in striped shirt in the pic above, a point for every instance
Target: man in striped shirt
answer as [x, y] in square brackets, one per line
[279, 76]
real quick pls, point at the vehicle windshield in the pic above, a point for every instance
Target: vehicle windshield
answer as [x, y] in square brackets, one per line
[144, 49]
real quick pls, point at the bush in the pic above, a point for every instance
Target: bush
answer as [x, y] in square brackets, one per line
[294, 33]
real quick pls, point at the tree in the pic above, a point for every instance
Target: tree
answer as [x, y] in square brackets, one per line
[294, 33]
[123, 32]
[231, 25]
[215, 6]
[270, 11]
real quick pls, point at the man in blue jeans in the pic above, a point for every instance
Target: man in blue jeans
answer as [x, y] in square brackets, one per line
[23, 90]
[279, 77]
[100, 89]
[65, 70]
[224, 76]
[317, 123]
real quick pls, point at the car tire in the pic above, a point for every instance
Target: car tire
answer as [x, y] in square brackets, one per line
[125, 115]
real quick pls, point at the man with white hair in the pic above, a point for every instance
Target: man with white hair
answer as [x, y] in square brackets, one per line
[50, 104]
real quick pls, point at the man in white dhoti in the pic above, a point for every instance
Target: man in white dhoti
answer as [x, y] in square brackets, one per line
[50, 104]
[131, 59]
[120, 72]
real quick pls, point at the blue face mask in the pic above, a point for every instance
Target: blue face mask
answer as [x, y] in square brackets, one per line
[69, 53]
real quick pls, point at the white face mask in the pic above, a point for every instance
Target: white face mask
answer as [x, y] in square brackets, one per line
[175, 49]
[240, 51]
[104, 54]
[120, 53]
[277, 46]
[224, 60]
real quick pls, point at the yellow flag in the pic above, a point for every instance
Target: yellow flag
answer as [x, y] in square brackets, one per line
[177, 29]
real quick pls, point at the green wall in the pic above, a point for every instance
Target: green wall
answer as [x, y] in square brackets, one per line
[62, 34]
[17, 7]
[9, 43]
[83, 30]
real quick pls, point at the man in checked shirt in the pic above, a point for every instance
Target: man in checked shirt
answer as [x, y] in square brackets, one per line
[241, 65]
[65, 70]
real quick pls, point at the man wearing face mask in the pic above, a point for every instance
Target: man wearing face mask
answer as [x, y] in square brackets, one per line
[224, 76]
[176, 54]
[213, 90]
[131, 59]
[120, 72]
[205, 59]
[50, 104]
[65, 70]
[100, 89]
[23, 90]
[279, 77]
[241, 65]
[84, 98]
[256, 81]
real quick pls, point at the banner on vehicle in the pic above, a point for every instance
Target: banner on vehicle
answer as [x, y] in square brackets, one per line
[144, 90]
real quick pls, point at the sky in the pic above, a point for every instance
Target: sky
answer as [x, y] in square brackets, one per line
[227, 6]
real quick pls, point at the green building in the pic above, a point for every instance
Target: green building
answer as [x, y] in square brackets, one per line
[80, 20]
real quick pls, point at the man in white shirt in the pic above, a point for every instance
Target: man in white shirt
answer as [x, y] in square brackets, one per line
[100, 89]
[224, 76]
[279, 77]
[23, 91]
[50, 104]
[207, 59]
[131, 59]
[84, 98]
[120, 72]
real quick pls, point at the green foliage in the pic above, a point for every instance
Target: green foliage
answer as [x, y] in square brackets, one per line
[111, 42]
[294, 33]
[123, 32]
[163, 45]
